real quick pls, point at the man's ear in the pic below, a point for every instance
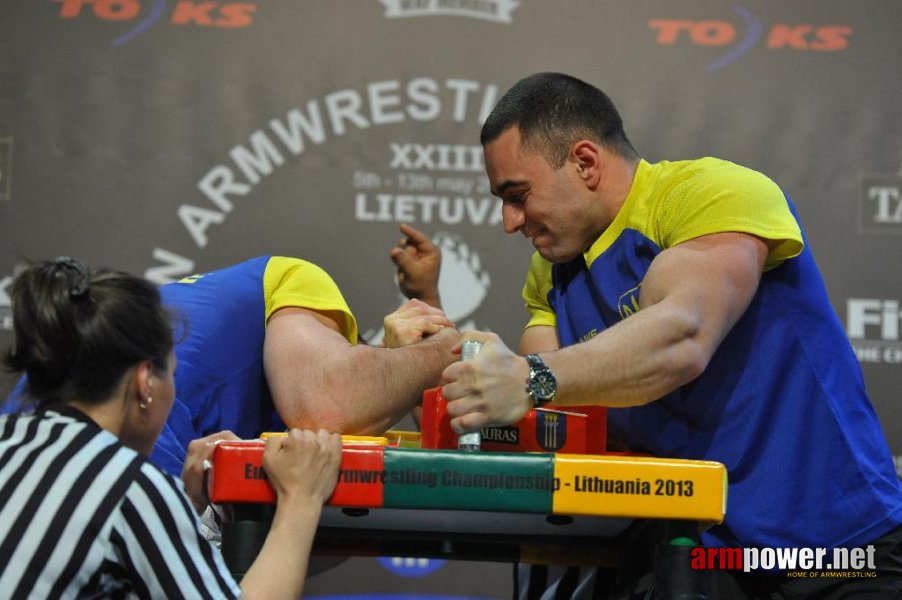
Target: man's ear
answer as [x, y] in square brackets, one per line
[586, 155]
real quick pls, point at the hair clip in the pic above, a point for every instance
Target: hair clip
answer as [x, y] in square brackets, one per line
[83, 284]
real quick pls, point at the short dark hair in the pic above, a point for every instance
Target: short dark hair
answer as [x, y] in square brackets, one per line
[78, 332]
[552, 111]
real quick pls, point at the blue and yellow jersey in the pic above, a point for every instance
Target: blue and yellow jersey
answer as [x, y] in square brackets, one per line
[782, 403]
[221, 319]
[669, 203]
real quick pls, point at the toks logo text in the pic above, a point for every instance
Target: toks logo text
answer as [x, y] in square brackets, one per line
[144, 15]
[737, 38]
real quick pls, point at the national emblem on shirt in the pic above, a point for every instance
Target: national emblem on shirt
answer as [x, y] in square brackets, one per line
[628, 303]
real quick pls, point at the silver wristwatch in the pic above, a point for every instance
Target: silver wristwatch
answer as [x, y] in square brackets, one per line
[541, 384]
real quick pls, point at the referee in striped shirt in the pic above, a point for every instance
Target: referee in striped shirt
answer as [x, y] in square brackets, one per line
[82, 512]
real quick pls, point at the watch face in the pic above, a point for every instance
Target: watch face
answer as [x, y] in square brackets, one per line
[544, 385]
[541, 384]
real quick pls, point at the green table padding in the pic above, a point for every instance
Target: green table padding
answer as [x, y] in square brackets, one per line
[450, 479]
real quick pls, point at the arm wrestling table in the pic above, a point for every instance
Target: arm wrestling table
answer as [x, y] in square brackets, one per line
[535, 507]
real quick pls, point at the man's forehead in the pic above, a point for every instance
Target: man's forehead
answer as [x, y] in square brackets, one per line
[509, 138]
[503, 164]
[506, 148]
[509, 164]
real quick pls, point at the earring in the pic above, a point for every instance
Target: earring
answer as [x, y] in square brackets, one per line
[149, 400]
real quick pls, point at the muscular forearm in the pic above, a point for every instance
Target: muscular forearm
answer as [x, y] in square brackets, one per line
[358, 389]
[376, 387]
[639, 360]
[630, 364]
[691, 297]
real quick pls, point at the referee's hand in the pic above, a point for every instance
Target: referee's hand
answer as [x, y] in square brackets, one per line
[199, 452]
[303, 465]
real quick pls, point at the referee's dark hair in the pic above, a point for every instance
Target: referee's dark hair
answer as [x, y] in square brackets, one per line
[78, 332]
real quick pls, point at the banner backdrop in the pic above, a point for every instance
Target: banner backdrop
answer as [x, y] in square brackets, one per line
[172, 137]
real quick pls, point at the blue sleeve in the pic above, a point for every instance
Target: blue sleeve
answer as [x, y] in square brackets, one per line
[14, 401]
[171, 447]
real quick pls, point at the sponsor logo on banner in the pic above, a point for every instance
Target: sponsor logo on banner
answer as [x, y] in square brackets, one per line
[881, 204]
[6, 168]
[145, 15]
[501, 435]
[498, 11]
[873, 327]
[739, 37]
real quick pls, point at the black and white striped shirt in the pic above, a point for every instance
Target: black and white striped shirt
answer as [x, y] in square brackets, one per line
[82, 516]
